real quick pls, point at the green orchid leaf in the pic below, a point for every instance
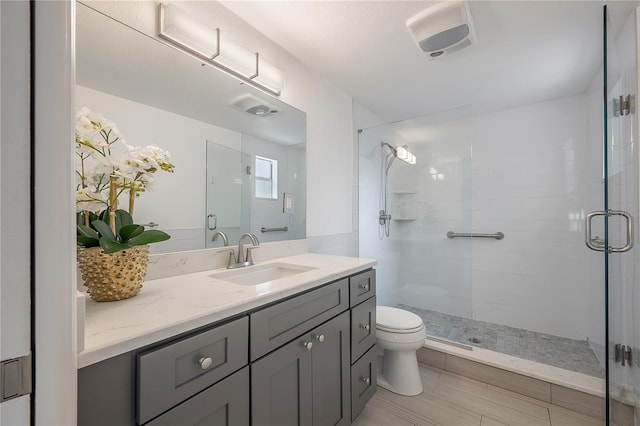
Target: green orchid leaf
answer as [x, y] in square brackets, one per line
[148, 237]
[103, 229]
[111, 246]
[80, 218]
[130, 231]
[124, 217]
[87, 242]
[85, 231]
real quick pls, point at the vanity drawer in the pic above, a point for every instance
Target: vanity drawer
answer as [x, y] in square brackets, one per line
[364, 380]
[363, 328]
[362, 286]
[173, 373]
[225, 403]
[278, 324]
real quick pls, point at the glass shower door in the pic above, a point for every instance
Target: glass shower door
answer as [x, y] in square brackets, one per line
[620, 168]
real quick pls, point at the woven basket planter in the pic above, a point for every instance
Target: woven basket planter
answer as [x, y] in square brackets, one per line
[115, 276]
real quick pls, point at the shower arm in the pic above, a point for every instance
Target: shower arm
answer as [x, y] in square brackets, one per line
[391, 147]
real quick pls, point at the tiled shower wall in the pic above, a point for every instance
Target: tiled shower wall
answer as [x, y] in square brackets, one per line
[521, 171]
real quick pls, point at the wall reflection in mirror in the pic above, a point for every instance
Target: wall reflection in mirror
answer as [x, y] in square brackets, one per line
[215, 128]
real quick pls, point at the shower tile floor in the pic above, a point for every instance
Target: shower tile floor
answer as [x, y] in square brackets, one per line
[570, 354]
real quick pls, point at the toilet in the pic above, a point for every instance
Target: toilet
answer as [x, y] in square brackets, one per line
[399, 334]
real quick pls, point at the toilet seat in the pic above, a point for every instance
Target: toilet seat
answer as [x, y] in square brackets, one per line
[395, 320]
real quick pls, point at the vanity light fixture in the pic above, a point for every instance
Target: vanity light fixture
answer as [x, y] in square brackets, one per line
[403, 154]
[206, 43]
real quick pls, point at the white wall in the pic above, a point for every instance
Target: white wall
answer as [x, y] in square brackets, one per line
[530, 181]
[329, 113]
[521, 171]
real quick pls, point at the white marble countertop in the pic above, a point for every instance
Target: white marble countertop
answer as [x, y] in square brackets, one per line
[166, 307]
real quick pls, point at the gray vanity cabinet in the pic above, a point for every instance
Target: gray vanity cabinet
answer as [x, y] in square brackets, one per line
[308, 360]
[305, 382]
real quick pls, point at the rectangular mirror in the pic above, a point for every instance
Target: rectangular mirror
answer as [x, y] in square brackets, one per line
[213, 125]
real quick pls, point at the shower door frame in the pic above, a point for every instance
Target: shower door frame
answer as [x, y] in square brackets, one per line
[616, 279]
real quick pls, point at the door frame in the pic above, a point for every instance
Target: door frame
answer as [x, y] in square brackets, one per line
[53, 224]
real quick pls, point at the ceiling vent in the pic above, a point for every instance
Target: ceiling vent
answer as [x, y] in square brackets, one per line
[443, 28]
[254, 106]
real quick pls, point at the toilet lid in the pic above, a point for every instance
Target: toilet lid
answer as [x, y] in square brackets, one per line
[398, 320]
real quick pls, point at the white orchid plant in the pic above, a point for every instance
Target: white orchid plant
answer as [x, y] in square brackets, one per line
[107, 167]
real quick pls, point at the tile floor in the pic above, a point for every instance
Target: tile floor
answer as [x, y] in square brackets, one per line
[452, 400]
[570, 354]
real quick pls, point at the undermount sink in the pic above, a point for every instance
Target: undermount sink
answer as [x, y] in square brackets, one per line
[254, 275]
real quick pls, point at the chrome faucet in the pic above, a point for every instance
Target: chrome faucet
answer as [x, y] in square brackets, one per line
[225, 240]
[245, 260]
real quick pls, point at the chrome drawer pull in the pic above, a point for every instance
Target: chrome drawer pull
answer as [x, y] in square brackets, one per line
[366, 380]
[364, 286]
[205, 363]
[320, 338]
[365, 326]
[308, 345]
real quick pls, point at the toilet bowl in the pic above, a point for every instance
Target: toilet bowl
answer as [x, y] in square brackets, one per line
[399, 334]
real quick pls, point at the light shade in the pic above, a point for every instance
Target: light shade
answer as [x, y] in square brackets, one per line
[269, 76]
[180, 28]
[208, 43]
[402, 153]
[237, 59]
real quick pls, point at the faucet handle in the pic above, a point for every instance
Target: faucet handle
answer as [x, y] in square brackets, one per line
[249, 258]
[232, 256]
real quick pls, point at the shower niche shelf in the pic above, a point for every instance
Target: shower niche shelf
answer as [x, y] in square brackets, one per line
[405, 206]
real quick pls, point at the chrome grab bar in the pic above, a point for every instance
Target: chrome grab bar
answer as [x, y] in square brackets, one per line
[497, 235]
[283, 229]
[596, 244]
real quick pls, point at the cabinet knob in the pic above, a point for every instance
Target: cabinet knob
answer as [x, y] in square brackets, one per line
[205, 363]
[365, 326]
[307, 345]
[365, 380]
[320, 338]
[364, 286]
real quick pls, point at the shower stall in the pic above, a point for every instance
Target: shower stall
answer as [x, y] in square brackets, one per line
[496, 236]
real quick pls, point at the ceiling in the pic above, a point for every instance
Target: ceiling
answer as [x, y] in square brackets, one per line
[526, 51]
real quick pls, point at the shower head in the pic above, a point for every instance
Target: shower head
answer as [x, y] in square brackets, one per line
[401, 153]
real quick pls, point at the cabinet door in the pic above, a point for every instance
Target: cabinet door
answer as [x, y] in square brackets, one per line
[225, 403]
[281, 386]
[331, 378]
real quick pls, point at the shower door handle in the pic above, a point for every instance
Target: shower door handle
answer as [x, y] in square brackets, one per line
[215, 222]
[596, 244]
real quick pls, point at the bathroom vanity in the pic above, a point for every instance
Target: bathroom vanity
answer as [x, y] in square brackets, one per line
[298, 350]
